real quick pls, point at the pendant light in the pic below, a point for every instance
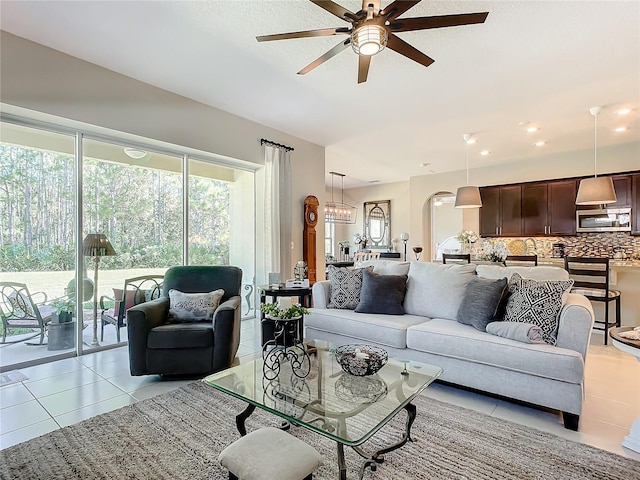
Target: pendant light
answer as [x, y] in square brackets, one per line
[595, 191]
[468, 196]
[339, 212]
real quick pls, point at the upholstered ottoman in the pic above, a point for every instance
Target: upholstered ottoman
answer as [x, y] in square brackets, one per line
[270, 454]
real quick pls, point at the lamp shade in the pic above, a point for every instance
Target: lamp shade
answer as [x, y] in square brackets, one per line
[596, 191]
[468, 197]
[97, 245]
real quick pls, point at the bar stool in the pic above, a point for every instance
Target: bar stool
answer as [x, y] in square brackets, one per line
[270, 454]
[591, 279]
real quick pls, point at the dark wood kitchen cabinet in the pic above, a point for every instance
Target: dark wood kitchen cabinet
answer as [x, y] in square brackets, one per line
[635, 204]
[622, 186]
[548, 208]
[500, 214]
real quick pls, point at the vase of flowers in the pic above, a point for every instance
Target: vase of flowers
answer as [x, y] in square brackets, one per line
[466, 238]
[494, 251]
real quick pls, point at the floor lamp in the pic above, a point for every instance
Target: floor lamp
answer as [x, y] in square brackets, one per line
[96, 245]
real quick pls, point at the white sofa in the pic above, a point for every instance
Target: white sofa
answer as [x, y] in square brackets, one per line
[540, 374]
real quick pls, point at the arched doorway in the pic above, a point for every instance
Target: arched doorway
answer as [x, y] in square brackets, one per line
[441, 224]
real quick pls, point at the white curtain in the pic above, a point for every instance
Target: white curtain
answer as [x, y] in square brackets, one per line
[277, 209]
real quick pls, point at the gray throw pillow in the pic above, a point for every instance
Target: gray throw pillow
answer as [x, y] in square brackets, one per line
[346, 284]
[481, 302]
[382, 293]
[193, 307]
[538, 303]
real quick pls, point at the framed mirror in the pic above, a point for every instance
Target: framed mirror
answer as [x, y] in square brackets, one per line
[377, 224]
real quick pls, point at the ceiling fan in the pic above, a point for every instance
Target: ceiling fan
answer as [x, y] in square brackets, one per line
[372, 29]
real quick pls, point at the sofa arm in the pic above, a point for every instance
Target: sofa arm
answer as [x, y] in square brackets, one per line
[140, 320]
[226, 332]
[321, 294]
[576, 321]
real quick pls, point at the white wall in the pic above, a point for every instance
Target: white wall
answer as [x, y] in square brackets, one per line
[398, 193]
[43, 80]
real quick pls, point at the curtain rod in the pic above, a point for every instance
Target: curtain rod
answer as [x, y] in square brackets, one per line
[274, 144]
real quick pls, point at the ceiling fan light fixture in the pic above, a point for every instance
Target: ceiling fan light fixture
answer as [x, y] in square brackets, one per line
[369, 39]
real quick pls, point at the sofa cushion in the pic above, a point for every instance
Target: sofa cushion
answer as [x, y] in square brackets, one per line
[382, 293]
[181, 335]
[481, 302]
[383, 329]
[436, 290]
[346, 284]
[386, 267]
[458, 341]
[193, 307]
[536, 302]
[540, 273]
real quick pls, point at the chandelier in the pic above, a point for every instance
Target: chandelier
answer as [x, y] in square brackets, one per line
[339, 212]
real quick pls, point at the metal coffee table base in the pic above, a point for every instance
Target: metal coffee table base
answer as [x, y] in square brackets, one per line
[371, 460]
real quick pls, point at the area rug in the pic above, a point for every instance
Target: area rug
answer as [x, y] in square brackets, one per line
[179, 435]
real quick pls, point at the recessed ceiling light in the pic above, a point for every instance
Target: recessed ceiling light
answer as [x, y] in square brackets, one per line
[425, 164]
[484, 153]
[623, 111]
[523, 123]
[470, 139]
[135, 153]
[532, 129]
[539, 144]
[620, 129]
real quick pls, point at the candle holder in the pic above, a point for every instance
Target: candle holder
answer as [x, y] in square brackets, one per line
[417, 251]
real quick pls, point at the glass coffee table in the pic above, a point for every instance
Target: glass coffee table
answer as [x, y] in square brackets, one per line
[330, 402]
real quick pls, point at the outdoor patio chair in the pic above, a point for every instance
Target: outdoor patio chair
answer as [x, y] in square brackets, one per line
[136, 290]
[19, 310]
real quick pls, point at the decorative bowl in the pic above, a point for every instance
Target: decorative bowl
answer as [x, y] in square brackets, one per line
[361, 360]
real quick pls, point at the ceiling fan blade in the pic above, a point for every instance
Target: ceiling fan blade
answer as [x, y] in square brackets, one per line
[424, 23]
[320, 60]
[397, 8]
[323, 32]
[403, 48]
[335, 9]
[363, 67]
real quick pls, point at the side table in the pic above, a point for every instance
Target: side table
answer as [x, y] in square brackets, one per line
[631, 441]
[275, 291]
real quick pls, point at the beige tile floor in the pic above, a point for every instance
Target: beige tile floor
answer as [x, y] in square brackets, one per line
[65, 392]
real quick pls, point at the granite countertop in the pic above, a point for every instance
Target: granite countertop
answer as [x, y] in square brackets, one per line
[613, 263]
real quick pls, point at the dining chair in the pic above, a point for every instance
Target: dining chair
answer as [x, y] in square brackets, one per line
[456, 257]
[591, 278]
[364, 256]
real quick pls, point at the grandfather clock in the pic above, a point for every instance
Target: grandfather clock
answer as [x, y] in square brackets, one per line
[309, 235]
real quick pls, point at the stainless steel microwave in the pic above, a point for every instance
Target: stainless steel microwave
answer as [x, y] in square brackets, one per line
[604, 220]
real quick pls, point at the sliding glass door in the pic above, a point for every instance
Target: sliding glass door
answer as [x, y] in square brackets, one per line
[140, 213]
[37, 247]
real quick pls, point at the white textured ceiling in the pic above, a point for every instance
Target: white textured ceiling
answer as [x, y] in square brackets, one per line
[545, 62]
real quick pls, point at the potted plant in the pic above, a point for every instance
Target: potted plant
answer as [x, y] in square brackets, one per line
[65, 309]
[273, 311]
[62, 326]
[282, 325]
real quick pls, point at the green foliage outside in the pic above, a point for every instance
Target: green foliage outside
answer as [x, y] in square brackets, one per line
[139, 209]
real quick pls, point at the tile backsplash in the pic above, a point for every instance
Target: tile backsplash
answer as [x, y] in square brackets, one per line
[582, 244]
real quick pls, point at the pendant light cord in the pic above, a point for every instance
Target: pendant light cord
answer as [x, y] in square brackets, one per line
[595, 146]
[467, 150]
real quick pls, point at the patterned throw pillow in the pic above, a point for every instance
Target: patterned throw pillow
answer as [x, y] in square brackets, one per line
[538, 303]
[345, 284]
[193, 307]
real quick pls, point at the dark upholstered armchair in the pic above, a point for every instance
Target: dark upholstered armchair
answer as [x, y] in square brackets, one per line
[158, 345]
